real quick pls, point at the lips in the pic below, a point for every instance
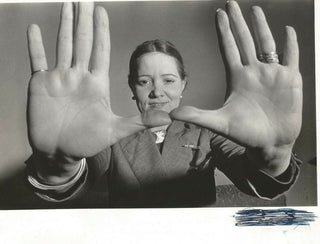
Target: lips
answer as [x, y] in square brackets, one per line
[157, 105]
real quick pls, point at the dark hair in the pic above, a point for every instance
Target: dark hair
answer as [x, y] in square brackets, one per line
[157, 45]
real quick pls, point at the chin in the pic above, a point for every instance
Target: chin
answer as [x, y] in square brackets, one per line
[159, 109]
[163, 108]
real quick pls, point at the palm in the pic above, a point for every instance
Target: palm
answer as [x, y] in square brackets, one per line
[263, 106]
[69, 111]
[59, 113]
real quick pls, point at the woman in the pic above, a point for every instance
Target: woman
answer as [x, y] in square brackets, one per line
[76, 138]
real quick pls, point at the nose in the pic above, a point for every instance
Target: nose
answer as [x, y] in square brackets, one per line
[157, 90]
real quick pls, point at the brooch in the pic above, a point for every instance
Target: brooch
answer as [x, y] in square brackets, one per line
[160, 134]
[191, 146]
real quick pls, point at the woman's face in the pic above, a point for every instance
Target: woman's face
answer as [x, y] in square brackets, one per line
[158, 84]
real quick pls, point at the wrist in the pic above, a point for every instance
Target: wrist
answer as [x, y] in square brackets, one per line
[53, 170]
[273, 160]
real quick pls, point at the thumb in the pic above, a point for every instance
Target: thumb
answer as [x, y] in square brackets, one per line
[152, 118]
[215, 120]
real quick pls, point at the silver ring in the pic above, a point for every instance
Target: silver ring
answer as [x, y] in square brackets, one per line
[269, 58]
[40, 70]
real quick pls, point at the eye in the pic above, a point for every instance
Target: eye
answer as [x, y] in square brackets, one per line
[143, 82]
[168, 80]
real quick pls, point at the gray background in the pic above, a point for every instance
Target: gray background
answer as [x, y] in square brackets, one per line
[190, 26]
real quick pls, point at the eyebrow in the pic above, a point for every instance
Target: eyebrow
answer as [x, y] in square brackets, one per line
[144, 75]
[161, 75]
[169, 75]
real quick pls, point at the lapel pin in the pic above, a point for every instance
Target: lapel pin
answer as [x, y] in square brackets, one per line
[191, 146]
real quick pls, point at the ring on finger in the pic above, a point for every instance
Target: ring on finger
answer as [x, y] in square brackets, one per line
[40, 70]
[268, 58]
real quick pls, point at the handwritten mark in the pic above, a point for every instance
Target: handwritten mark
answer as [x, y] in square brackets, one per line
[273, 217]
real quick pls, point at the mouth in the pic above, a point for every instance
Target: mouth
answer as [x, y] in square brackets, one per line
[157, 105]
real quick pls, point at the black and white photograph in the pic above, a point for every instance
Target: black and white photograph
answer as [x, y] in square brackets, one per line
[157, 105]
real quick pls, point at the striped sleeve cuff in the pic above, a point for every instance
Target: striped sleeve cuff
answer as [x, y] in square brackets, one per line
[267, 187]
[59, 193]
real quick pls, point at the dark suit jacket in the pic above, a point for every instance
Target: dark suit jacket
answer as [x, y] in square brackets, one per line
[137, 174]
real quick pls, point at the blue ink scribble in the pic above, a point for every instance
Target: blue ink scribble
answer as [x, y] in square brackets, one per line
[272, 217]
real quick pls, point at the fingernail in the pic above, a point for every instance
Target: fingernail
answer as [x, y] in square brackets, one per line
[288, 28]
[229, 2]
[218, 10]
[291, 31]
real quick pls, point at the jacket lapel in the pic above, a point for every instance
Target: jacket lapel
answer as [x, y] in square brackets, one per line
[151, 167]
[144, 157]
[176, 153]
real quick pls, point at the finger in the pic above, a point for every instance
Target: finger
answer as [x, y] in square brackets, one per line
[241, 33]
[101, 45]
[36, 50]
[227, 44]
[84, 35]
[212, 119]
[149, 119]
[263, 36]
[291, 49]
[64, 44]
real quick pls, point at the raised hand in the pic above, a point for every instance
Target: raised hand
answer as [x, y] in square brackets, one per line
[263, 106]
[69, 110]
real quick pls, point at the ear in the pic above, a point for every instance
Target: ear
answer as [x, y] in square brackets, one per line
[184, 84]
[132, 88]
[134, 95]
